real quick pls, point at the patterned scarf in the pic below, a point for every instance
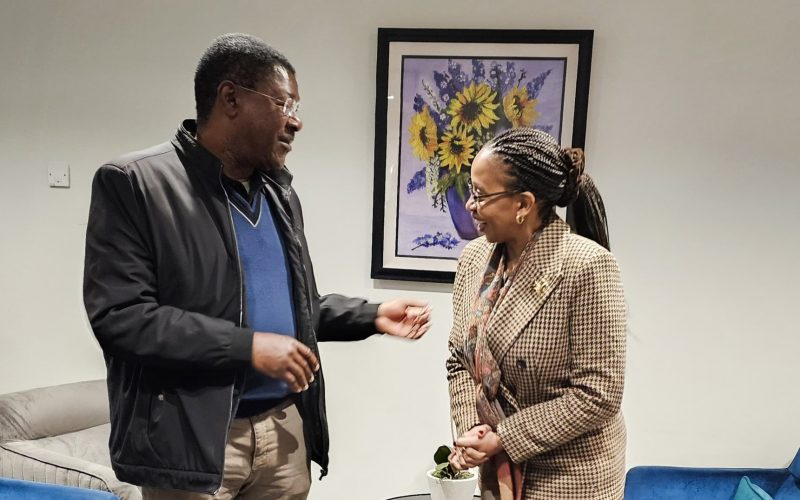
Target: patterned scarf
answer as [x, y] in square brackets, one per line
[480, 362]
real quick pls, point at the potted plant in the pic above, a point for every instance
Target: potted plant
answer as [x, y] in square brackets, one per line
[448, 484]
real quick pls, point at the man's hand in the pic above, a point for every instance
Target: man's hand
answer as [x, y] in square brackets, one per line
[475, 447]
[283, 357]
[407, 318]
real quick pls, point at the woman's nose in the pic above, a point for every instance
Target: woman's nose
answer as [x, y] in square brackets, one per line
[470, 205]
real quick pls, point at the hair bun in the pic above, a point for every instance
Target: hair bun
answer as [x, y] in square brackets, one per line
[575, 177]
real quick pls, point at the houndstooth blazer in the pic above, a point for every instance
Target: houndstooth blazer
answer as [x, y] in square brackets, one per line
[559, 338]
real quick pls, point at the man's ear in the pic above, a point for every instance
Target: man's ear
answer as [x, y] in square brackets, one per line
[227, 98]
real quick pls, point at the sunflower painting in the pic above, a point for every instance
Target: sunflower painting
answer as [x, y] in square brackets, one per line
[423, 139]
[457, 149]
[473, 108]
[450, 108]
[519, 108]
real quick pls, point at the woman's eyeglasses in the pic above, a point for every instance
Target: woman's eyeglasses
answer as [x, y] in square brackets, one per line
[480, 199]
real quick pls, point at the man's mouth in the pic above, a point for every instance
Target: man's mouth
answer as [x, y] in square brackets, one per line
[286, 142]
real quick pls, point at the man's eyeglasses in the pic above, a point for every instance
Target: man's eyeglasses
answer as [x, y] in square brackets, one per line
[290, 107]
[479, 199]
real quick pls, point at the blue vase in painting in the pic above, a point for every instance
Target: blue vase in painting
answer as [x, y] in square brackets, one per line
[462, 219]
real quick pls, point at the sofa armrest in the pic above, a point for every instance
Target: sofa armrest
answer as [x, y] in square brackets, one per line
[52, 411]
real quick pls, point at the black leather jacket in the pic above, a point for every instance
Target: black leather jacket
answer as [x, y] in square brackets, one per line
[164, 293]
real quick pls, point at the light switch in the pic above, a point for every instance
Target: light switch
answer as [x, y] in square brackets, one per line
[58, 174]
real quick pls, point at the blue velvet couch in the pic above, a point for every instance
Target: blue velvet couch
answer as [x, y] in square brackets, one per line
[684, 483]
[17, 489]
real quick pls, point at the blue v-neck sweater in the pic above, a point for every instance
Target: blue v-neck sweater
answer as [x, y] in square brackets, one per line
[268, 290]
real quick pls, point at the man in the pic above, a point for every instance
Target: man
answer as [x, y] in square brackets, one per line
[200, 290]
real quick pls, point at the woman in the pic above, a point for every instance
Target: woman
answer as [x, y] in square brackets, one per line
[537, 348]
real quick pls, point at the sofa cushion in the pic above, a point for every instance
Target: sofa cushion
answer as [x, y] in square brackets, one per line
[749, 491]
[789, 490]
[74, 459]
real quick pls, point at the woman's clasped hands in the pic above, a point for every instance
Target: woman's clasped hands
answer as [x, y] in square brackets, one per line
[475, 447]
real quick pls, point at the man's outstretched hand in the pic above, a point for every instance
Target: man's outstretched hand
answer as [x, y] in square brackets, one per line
[408, 318]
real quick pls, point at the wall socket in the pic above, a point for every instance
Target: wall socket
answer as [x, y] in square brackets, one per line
[58, 174]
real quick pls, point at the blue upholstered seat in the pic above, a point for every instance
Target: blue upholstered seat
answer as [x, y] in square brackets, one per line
[685, 483]
[28, 490]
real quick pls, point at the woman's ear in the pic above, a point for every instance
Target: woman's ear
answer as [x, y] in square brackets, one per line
[527, 204]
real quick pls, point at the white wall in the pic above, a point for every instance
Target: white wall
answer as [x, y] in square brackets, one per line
[692, 138]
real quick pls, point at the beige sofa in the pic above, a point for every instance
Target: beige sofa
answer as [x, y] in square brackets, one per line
[59, 435]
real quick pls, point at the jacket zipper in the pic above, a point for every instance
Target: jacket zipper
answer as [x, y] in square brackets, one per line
[241, 316]
[295, 240]
[321, 417]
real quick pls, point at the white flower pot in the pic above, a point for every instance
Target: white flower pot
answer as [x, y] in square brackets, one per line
[452, 489]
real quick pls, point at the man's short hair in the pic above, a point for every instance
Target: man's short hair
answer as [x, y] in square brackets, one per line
[243, 59]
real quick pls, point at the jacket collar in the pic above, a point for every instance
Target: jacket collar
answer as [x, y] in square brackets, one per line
[281, 176]
[210, 165]
[535, 281]
[197, 156]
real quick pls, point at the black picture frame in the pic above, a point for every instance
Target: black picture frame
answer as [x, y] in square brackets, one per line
[397, 49]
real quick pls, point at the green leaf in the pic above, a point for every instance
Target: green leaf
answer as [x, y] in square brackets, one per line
[440, 457]
[462, 180]
[444, 183]
[464, 474]
[460, 190]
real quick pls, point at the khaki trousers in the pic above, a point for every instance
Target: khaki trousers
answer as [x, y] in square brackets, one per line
[265, 458]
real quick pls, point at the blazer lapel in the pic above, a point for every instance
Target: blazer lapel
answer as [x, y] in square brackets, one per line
[532, 286]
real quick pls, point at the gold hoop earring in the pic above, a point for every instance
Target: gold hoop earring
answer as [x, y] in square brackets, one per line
[520, 219]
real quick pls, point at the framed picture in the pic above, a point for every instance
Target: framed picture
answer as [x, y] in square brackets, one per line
[440, 95]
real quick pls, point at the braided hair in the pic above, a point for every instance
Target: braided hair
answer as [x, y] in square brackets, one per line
[538, 164]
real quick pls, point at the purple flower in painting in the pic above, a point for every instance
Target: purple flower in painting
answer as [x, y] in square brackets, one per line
[535, 85]
[419, 102]
[458, 78]
[444, 240]
[417, 181]
[511, 75]
[443, 84]
[440, 119]
[497, 75]
[440, 79]
[478, 70]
